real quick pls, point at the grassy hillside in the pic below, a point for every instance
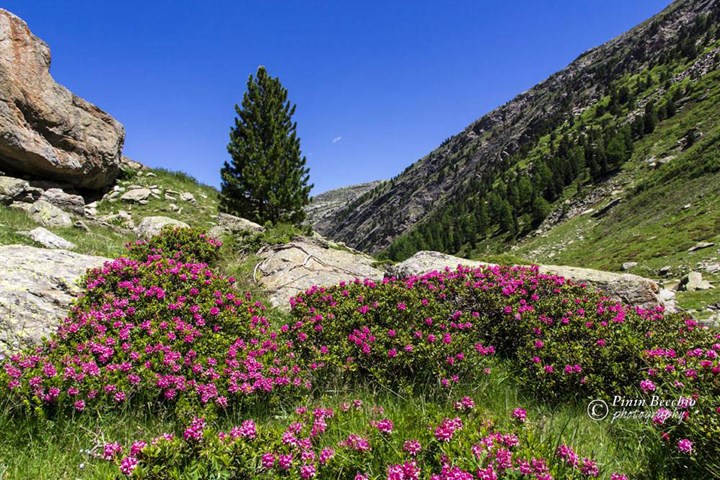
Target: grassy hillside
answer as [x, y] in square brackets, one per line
[666, 207]
[107, 236]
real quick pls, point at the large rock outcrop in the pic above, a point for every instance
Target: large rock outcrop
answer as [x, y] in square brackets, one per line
[289, 269]
[37, 287]
[45, 130]
[625, 287]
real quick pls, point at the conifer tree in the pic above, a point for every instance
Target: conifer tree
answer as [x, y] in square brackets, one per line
[266, 179]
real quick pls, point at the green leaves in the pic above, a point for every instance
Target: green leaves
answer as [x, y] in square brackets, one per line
[266, 180]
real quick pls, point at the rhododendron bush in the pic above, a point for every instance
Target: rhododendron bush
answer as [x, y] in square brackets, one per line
[567, 340]
[159, 331]
[315, 443]
[690, 429]
[162, 328]
[192, 245]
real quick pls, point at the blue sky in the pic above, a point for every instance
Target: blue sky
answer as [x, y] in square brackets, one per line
[378, 84]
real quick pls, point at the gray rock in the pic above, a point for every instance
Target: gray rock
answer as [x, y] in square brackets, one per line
[22, 206]
[37, 286]
[64, 201]
[666, 295]
[628, 265]
[48, 239]
[187, 197]
[700, 246]
[712, 268]
[90, 209]
[137, 195]
[602, 211]
[11, 189]
[46, 130]
[48, 215]
[130, 164]
[625, 287]
[667, 298]
[665, 270]
[79, 224]
[712, 322]
[121, 218]
[693, 281]
[428, 261]
[290, 269]
[232, 225]
[151, 226]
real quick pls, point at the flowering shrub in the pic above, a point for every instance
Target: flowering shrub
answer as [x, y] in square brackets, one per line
[307, 447]
[159, 331]
[690, 426]
[391, 332]
[567, 340]
[189, 245]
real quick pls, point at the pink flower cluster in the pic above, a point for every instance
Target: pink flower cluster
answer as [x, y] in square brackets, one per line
[138, 332]
[478, 451]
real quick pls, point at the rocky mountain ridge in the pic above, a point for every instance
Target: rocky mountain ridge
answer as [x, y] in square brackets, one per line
[322, 208]
[396, 207]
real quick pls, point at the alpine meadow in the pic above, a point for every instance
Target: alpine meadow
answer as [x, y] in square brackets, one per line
[535, 298]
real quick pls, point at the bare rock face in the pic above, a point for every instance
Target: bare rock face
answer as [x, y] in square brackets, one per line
[232, 225]
[45, 130]
[693, 281]
[65, 201]
[151, 226]
[322, 208]
[48, 239]
[290, 269]
[37, 287]
[630, 289]
[49, 215]
[12, 189]
[428, 261]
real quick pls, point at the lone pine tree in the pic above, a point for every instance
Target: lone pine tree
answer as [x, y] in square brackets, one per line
[266, 179]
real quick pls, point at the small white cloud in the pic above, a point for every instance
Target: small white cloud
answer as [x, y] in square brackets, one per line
[336, 139]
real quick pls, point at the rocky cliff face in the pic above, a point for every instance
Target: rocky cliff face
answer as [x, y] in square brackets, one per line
[45, 130]
[322, 208]
[425, 186]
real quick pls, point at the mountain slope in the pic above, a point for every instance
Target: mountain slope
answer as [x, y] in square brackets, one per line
[462, 193]
[323, 207]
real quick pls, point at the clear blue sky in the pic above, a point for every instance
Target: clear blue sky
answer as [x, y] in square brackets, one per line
[378, 84]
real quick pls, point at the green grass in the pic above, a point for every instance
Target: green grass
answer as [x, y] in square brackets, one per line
[665, 210]
[200, 214]
[64, 448]
[101, 241]
[108, 242]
